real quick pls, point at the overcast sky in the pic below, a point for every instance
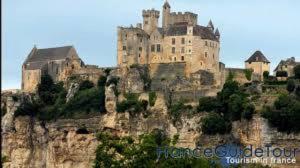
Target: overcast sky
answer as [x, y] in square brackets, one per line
[271, 26]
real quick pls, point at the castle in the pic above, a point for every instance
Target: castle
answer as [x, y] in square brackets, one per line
[178, 51]
[179, 40]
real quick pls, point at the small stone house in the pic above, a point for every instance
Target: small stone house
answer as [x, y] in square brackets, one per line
[57, 62]
[258, 63]
[287, 65]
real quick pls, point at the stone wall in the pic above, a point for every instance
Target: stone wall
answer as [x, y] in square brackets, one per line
[238, 74]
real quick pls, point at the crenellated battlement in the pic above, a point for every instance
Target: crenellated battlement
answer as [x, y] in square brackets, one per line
[151, 13]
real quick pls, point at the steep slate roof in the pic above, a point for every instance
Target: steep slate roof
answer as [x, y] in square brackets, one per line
[181, 29]
[39, 57]
[167, 5]
[258, 56]
[289, 61]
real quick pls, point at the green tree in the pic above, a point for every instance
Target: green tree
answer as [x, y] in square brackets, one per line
[297, 71]
[120, 152]
[290, 85]
[207, 104]
[86, 84]
[214, 123]
[248, 111]
[266, 75]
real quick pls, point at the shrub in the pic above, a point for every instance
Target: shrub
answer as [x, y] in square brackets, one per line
[266, 75]
[284, 115]
[131, 104]
[152, 98]
[177, 109]
[248, 111]
[86, 84]
[297, 91]
[281, 74]
[297, 71]
[207, 104]
[214, 124]
[85, 101]
[248, 74]
[235, 107]
[102, 81]
[142, 153]
[290, 85]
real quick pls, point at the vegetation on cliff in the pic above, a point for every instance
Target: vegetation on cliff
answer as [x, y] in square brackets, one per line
[115, 151]
[132, 104]
[231, 104]
[50, 102]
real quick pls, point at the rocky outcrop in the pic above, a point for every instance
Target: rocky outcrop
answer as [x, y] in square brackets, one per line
[74, 87]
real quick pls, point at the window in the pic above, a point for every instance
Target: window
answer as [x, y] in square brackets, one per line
[173, 41]
[173, 50]
[182, 58]
[205, 54]
[152, 48]
[158, 47]
[174, 58]
[190, 41]
[140, 49]
[141, 40]
[146, 22]
[56, 70]
[190, 51]
[182, 41]
[182, 50]
[214, 56]
[139, 55]
[206, 43]
[124, 47]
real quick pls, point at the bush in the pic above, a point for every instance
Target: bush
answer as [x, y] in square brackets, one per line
[266, 75]
[248, 111]
[297, 91]
[281, 74]
[215, 124]
[248, 74]
[297, 71]
[86, 84]
[131, 104]
[235, 107]
[85, 101]
[142, 153]
[177, 109]
[290, 85]
[207, 104]
[102, 81]
[284, 115]
[152, 98]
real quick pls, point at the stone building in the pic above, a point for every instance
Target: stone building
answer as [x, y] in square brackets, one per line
[60, 63]
[258, 63]
[179, 40]
[287, 65]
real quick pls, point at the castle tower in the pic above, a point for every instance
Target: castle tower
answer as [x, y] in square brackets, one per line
[166, 14]
[150, 20]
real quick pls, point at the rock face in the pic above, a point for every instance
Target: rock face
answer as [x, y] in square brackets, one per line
[74, 87]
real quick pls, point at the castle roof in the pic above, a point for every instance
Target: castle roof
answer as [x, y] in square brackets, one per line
[217, 33]
[181, 29]
[290, 61]
[258, 56]
[38, 57]
[210, 25]
[167, 5]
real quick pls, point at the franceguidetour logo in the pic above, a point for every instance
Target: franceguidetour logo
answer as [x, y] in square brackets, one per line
[233, 154]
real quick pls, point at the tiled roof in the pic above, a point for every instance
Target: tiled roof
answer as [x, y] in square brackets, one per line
[39, 57]
[258, 56]
[289, 61]
[181, 29]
